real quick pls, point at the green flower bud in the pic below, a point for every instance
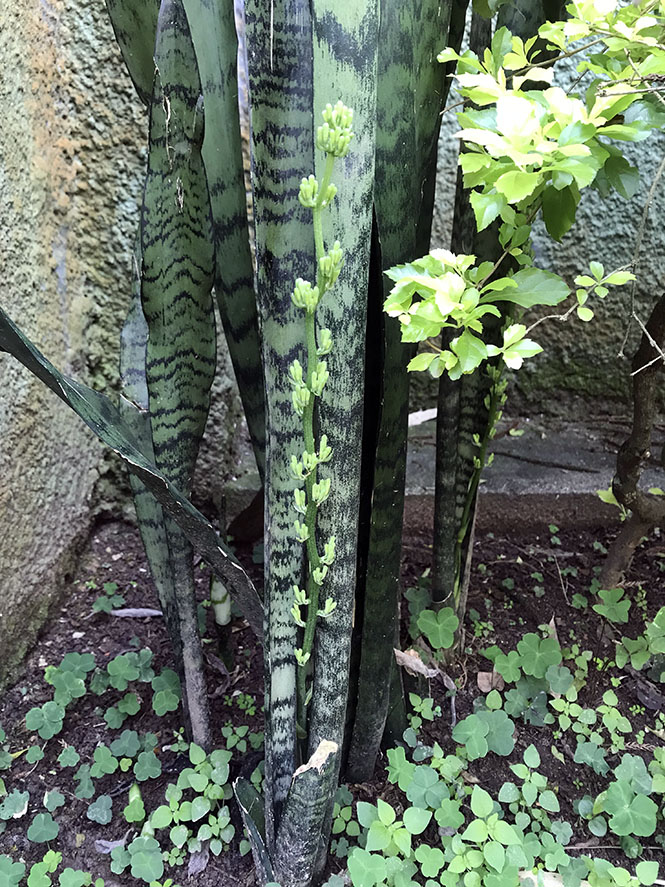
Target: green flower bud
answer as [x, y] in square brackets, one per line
[325, 343]
[297, 468]
[329, 551]
[300, 399]
[302, 658]
[331, 264]
[300, 595]
[328, 608]
[319, 574]
[302, 533]
[329, 196]
[296, 374]
[339, 117]
[309, 191]
[300, 501]
[321, 491]
[310, 461]
[319, 378]
[305, 295]
[325, 452]
[297, 618]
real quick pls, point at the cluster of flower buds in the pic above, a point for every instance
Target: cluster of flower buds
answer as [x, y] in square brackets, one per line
[319, 378]
[305, 295]
[334, 136]
[319, 574]
[329, 551]
[301, 468]
[310, 197]
[300, 599]
[321, 491]
[302, 531]
[302, 658]
[330, 266]
[325, 343]
[328, 608]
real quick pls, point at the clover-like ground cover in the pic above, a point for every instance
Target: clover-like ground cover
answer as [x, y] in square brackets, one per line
[527, 590]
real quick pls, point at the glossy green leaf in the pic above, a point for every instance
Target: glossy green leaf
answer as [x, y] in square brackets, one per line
[102, 417]
[213, 30]
[135, 24]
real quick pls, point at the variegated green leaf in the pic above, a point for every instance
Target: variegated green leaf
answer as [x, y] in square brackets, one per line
[279, 37]
[104, 419]
[410, 98]
[213, 30]
[135, 24]
[176, 295]
[134, 408]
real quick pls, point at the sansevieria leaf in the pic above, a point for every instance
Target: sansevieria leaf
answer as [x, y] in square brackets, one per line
[279, 40]
[213, 29]
[135, 24]
[409, 97]
[104, 419]
[176, 295]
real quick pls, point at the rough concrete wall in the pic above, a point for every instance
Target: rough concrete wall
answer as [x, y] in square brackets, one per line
[71, 160]
[582, 358]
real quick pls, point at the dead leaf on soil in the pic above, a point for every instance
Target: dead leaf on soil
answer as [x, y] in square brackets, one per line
[198, 861]
[411, 661]
[489, 680]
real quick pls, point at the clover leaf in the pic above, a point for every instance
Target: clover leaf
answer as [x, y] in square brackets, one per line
[85, 788]
[537, 654]
[471, 733]
[47, 720]
[15, 805]
[439, 628]
[105, 762]
[53, 799]
[43, 828]
[70, 877]
[166, 696]
[11, 873]
[499, 737]
[147, 766]
[101, 810]
[122, 670]
[126, 745]
[614, 607]
[146, 859]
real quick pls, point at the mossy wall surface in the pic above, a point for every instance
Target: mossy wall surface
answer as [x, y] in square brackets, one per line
[72, 153]
[583, 359]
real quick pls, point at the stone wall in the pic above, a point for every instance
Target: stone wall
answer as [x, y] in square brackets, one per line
[72, 152]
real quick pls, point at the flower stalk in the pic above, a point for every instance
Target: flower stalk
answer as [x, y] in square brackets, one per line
[333, 138]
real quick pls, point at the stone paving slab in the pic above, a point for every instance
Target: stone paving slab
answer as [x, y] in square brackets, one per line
[544, 471]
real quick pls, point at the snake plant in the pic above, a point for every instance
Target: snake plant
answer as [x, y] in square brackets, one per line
[378, 57]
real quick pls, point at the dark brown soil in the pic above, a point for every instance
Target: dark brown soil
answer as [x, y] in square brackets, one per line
[505, 602]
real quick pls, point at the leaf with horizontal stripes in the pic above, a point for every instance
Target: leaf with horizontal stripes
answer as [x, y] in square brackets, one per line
[176, 296]
[410, 97]
[104, 419]
[279, 35]
[213, 29]
[135, 24]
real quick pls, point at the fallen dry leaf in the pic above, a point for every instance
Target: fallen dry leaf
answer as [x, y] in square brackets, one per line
[489, 680]
[411, 661]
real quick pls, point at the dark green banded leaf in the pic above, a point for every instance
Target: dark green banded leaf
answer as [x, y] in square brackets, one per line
[410, 95]
[135, 24]
[176, 295]
[279, 37]
[213, 30]
[345, 67]
[134, 409]
[104, 419]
